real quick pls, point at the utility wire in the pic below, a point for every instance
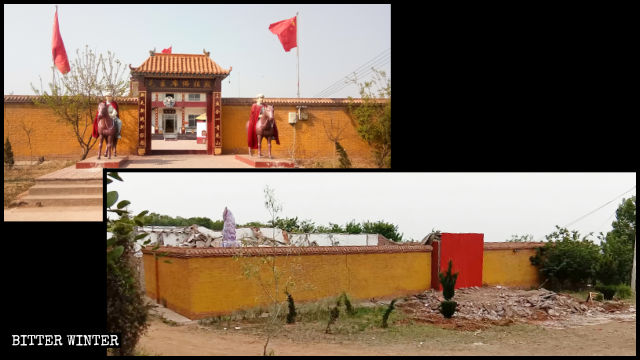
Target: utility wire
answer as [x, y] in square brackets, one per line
[376, 58]
[345, 81]
[364, 75]
[600, 207]
[591, 212]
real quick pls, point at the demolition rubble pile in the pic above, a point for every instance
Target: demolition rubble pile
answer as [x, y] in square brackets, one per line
[500, 304]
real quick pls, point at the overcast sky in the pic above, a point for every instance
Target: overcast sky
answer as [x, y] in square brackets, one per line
[496, 204]
[334, 40]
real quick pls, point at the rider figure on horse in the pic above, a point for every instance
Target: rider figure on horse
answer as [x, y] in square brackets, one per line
[113, 113]
[252, 136]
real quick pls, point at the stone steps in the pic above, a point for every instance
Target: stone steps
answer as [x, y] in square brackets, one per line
[61, 200]
[66, 187]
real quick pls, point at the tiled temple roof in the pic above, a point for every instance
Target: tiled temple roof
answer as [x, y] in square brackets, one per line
[171, 64]
[225, 101]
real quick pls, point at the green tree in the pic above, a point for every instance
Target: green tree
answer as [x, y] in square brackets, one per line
[73, 97]
[287, 224]
[343, 158]
[383, 228]
[567, 260]
[617, 246]
[373, 116]
[352, 227]
[521, 238]
[127, 312]
[8, 153]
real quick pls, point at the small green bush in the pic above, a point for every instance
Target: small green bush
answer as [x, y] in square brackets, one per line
[448, 308]
[291, 316]
[607, 290]
[8, 153]
[345, 163]
[333, 316]
[385, 317]
[624, 291]
[448, 281]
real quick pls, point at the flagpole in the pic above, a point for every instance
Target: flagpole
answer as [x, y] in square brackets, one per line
[298, 51]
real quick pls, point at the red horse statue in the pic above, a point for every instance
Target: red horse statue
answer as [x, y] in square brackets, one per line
[106, 128]
[266, 127]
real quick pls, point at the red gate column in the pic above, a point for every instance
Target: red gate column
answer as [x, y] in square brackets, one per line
[210, 123]
[217, 109]
[142, 122]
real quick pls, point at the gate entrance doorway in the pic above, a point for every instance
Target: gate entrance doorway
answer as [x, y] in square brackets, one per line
[173, 90]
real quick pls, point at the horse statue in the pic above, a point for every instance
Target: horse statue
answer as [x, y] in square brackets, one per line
[265, 127]
[106, 128]
[114, 115]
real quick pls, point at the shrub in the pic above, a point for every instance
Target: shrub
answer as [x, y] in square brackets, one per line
[607, 290]
[624, 291]
[347, 304]
[333, 316]
[448, 280]
[8, 153]
[126, 309]
[566, 260]
[291, 316]
[448, 308]
[343, 157]
[385, 317]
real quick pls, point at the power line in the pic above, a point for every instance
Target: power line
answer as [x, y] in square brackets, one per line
[376, 58]
[600, 207]
[346, 78]
[362, 76]
[591, 212]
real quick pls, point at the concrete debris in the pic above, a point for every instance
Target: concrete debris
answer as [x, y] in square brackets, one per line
[502, 303]
[195, 236]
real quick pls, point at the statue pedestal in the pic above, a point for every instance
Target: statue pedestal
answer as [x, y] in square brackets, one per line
[265, 162]
[104, 162]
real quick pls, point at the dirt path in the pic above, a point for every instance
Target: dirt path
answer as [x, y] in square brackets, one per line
[612, 338]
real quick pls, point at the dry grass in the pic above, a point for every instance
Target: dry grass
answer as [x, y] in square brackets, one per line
[20, 178]
[363, 327]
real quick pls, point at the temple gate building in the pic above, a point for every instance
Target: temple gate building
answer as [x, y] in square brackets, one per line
[173, 90]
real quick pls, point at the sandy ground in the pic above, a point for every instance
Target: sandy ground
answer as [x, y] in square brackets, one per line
[611, 338]
[54, 213]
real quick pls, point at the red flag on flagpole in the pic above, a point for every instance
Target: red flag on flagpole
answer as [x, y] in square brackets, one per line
[59, 53]
[167, 51]
[286, 31]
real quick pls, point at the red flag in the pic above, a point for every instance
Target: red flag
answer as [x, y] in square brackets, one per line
[59, 53]
[167, 51]
[287, 32]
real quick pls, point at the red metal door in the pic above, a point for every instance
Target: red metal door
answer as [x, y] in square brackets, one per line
[466, 251]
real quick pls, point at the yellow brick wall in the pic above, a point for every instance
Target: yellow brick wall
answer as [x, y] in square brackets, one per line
[173, 288]
[311, 141]
[218, 285]
[53, 139]
[509, 268]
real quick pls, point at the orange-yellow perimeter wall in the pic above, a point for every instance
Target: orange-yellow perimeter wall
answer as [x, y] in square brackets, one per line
[509, 268]
[53, 139]
[199, 287]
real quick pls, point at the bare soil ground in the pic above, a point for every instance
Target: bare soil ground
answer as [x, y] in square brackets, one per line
[22, 176]
[607, 328]
[611, 338]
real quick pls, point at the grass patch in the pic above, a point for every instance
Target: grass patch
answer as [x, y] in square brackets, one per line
[20, 178]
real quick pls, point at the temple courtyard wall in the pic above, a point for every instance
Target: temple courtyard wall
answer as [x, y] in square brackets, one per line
[53, 139]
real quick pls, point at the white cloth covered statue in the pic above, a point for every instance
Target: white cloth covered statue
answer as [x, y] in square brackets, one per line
[229, 229]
